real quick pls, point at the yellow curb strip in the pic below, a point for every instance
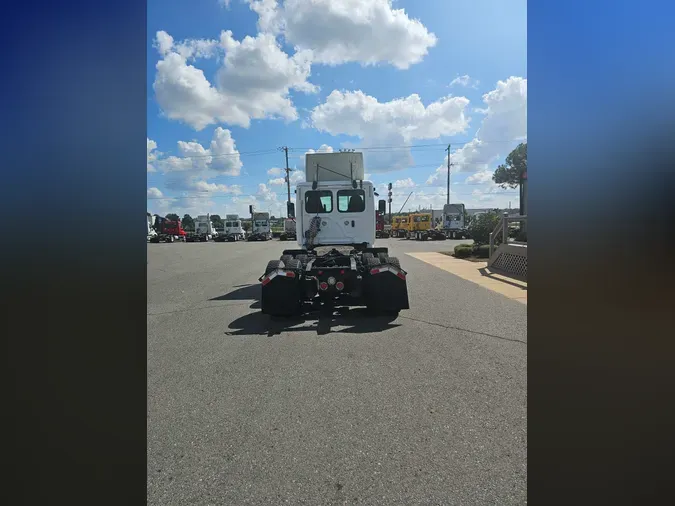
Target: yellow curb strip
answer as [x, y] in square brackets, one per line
[511, 288]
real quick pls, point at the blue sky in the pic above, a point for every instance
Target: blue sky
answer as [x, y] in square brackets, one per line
[378, 79]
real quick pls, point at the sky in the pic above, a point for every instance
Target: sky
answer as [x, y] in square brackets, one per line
[232, 81]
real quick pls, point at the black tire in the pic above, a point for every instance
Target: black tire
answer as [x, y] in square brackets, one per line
[286, 258]
[372, 262]
[171, 239]
[383, 258]
[303, 259]
[293, 264]
[394, 261]
[273, 265]
[366, 255]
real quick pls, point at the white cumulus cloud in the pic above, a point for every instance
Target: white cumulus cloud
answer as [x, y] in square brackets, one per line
[152, 155]
[403, 183]
[221, 157]
[341, 31]
[395, 123]
[482, 177]
[504, 125]
[253, 81]
[154, 193]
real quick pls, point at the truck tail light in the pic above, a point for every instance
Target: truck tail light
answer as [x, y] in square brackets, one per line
[340, 285]
[323, 285]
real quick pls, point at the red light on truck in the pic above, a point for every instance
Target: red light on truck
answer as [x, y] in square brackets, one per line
[340, 285]
[323, 285]
[290, 274]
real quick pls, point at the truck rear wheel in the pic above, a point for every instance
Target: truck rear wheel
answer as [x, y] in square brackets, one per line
[273, 265]
[293, 264]
[372, 261]
[394, 261]
[383, 257]
[286, 258]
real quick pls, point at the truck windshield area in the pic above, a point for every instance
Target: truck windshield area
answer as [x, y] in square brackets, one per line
[351, 201]
[319, 201]
[424, 218]
[261, 223]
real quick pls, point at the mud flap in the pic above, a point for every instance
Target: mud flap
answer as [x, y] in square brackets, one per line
[386, 290]
[281, 295]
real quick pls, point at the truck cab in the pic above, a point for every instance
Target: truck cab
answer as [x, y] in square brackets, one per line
[234, 231]
[336, 213]
[204, 229]
[289, 230]
[261, 229]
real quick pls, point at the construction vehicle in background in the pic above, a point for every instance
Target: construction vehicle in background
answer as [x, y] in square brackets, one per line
[167, 230]
[260, 227]
[380, 230]
[289, 233]
[336, 263]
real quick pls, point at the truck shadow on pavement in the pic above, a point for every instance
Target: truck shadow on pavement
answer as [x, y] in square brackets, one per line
[243, 292]
[322, 321]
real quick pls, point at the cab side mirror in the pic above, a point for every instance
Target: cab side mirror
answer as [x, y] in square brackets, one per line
[382, 206]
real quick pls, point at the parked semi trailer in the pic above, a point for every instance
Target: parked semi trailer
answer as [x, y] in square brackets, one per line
[336, 262]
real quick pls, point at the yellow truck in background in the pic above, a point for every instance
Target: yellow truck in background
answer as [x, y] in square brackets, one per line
[400, 226]
[420, 229]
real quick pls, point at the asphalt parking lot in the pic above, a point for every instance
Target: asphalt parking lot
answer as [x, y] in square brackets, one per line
[428, 408]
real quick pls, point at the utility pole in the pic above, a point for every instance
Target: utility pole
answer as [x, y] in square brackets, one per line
[449, 164]
[288, 181]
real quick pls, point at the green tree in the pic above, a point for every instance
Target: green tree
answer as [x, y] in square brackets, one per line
[509, 173]
[217, 221]
[246, 225]
[188, 222]
[482, 225]
[172, 217]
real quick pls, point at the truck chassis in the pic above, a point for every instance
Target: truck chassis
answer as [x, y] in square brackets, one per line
[288, 236]
[427, 235]
[260, 237]
[366, 277]
[167, 238]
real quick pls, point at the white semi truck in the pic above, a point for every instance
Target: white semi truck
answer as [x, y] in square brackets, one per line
[454, 225]
[234, 231]
[204, 229]
[261, 229]
[336, 262]
[289, 233]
